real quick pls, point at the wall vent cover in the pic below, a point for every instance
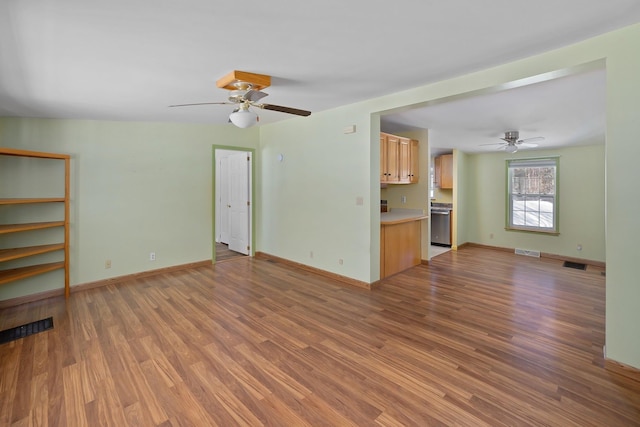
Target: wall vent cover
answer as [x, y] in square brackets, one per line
[528, 252]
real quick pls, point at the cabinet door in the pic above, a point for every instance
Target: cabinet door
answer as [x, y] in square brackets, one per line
[402, 247]
[393, 145]
[383, 158]
[404, 161]
[414, 163]
[446, 171]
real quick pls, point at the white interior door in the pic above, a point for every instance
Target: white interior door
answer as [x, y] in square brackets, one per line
[240, 201]
[223, 203]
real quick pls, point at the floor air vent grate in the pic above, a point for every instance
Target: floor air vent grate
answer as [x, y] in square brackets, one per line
[18, 332]
[576, 265]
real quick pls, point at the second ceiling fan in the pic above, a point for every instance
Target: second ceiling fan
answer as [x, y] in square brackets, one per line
[512, 142]
[245, 92]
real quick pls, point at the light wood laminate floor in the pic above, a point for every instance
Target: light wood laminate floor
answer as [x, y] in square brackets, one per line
[476, 338]
[223, 253]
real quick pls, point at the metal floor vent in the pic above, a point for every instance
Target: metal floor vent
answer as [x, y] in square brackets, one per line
[18, 332]
[576, 265]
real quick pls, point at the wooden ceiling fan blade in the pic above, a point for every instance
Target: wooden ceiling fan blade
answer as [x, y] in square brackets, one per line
[201, 103]
[282, 109]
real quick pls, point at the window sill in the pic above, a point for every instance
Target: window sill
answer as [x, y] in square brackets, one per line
[529, 230]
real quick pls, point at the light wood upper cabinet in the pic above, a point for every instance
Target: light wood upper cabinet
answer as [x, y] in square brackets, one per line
[409, 161]
[398, 160]
[389, 146]
[443, 171]
[383, 158]
[404, 157]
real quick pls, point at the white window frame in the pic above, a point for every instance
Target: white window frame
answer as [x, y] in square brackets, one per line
[530, 206]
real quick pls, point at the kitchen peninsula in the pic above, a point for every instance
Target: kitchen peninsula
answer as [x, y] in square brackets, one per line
[400, 234]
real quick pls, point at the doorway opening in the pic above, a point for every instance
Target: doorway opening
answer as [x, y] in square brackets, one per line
[233, 172]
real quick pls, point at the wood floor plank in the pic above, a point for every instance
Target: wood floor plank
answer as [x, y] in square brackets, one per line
[74, 399]
[10, 362]
[232, 409]
[475, 338]
[38, 414]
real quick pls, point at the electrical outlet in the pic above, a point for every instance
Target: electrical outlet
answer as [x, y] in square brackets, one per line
[340, 261]
[152, 256]
[311, 254]
[107, 264]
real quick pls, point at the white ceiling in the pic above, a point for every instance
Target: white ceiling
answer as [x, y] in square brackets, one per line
[130, 59]
[566, 111]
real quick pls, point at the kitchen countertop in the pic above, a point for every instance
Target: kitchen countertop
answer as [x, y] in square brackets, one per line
[398, 216]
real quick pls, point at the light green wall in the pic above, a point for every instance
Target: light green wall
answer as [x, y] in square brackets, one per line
[623, 197]
[581, 203]
[309, 200]
[462, 192]
[136, 188]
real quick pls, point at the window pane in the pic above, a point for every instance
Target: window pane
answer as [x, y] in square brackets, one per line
[546, 204]
[517, 212]
[546, 219]
[518, 203]
[532, 219]
[517, 186]
[518, 218]
[533, 203]
[533, 186]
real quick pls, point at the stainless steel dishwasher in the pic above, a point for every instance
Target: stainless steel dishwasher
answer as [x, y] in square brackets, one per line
[441, 227]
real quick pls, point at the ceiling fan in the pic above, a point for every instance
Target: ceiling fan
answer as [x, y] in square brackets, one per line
[245, 92]
[513, 142]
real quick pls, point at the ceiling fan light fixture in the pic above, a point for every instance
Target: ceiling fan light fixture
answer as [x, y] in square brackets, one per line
[244, 118]
[511, 149]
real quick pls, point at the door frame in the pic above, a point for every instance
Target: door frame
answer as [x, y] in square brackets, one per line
[252, 211]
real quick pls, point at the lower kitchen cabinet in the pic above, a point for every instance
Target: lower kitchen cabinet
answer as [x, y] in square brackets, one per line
[400, 247]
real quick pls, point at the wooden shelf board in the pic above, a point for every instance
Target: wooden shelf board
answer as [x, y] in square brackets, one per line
[31, 200]
[13, 228]
[16, 253]
[7, 276]
[27, 153]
